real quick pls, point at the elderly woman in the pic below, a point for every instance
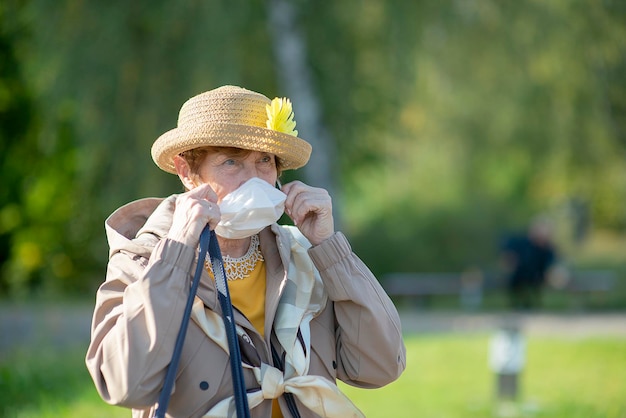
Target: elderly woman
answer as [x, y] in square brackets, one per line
[306, 307]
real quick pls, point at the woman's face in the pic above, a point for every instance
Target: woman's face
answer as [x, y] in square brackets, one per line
[227, 169]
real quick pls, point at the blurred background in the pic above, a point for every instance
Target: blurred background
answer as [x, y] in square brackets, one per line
[446, 124]
[442, 128]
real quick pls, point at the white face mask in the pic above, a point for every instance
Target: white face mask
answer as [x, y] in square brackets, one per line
[249, 209]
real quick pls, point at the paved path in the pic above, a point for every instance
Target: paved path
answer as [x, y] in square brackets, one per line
[63, 325]
[562, 324]
[44, 325]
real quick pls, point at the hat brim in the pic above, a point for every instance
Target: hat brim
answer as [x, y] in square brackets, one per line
[292, 151]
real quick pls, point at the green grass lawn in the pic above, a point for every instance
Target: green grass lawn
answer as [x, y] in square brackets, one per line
[447, 376]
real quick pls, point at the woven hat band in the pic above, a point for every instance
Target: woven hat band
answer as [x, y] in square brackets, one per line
[221, 106]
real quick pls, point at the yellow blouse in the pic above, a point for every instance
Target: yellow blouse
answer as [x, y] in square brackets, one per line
[248, 295]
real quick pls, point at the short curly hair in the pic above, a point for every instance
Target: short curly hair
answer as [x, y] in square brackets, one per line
[195, 157]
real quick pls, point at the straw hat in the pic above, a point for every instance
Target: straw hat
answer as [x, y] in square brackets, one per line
[228, 116]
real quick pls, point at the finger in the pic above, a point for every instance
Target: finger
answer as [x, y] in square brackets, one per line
[288, 186]
[297, 194]
[203, 191]
[293, 190]
[214, 215]
[308, 204]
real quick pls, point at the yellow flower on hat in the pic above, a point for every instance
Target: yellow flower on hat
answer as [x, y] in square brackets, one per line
[280, 116]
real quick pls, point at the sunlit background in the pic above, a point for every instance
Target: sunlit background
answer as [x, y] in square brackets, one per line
[440, 127]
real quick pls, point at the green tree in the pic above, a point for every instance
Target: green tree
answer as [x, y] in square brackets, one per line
[452, 120]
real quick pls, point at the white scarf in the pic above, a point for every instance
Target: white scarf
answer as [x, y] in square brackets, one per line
[302, 299]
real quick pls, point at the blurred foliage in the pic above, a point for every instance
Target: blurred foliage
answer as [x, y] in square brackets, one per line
[467, 118]
[454, 120]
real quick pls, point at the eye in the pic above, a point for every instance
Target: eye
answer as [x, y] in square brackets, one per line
[229, 161]
[267, 160]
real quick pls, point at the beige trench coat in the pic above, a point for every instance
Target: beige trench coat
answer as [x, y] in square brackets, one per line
[357, 337]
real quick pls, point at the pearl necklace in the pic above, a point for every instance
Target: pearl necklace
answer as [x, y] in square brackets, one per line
[239, 268]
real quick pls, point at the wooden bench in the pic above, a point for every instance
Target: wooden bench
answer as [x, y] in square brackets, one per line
[419, 288]
[584, 286]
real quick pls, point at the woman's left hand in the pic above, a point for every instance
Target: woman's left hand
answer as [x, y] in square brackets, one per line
[311, 210]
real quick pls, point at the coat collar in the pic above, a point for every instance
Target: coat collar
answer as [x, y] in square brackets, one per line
[123, 226]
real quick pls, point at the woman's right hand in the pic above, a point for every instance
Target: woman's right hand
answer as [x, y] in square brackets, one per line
[194, 209]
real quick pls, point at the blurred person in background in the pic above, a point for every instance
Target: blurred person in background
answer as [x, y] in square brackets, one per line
[527, 259]
[231, 145]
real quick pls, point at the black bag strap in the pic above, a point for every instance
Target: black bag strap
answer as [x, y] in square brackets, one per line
[208, 243]
[239, 385]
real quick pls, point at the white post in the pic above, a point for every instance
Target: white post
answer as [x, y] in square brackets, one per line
[507, 357]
